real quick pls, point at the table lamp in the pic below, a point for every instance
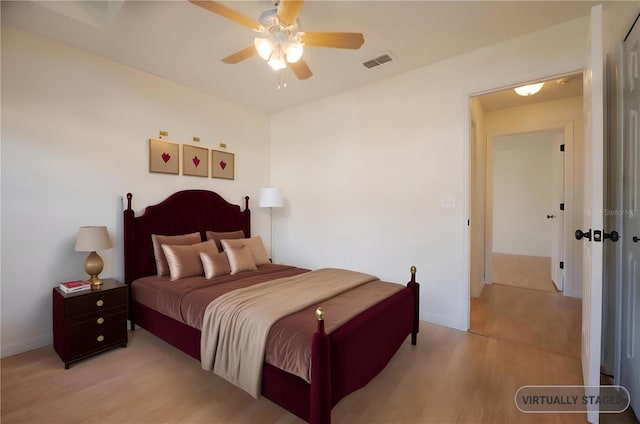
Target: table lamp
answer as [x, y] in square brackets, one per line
[91, 239]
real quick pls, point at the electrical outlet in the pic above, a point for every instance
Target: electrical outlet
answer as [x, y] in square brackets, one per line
[448, 202]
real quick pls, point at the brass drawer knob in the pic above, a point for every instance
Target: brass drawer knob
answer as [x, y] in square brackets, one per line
[99, 302]
[100, 338]
[100, 320]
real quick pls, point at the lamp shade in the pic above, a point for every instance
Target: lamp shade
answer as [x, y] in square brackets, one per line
[264, 47]
[91, 239]
[294, 52]
[270, 197]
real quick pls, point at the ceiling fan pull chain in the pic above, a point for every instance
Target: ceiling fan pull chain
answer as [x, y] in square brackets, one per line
[282, 79]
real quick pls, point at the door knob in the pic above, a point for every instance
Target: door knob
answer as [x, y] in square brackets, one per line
[636, 239]
[613, 235]
[550, 216]
[580, 234]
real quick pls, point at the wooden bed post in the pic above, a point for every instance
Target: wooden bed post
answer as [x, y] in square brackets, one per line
[129, 253]
[129, 240]
[416, 305]
[247, 212]
[320, 393]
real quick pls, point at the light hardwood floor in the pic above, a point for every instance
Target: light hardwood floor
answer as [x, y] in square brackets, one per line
[523, 306]
[532, 272]
[536, 318]
[449, 377]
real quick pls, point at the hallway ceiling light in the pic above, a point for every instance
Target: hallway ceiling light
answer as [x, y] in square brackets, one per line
[529, 90]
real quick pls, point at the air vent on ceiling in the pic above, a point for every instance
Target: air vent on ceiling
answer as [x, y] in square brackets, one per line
[377, 61]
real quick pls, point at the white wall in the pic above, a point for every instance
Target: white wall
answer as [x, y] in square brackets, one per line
[522, 193]
[75, 130]
[367, 173]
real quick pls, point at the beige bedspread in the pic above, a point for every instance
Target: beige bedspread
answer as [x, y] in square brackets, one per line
[236, 325]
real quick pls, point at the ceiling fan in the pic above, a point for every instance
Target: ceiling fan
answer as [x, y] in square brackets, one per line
[278, 40]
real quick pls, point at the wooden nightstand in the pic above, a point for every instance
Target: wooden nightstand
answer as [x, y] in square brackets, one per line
[89, 322]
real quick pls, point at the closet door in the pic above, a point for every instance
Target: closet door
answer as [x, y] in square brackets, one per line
[630, 340]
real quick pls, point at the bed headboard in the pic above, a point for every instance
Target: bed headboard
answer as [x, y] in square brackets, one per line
[183, 212]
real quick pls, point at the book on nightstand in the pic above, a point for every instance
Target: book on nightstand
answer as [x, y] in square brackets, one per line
[75, 286]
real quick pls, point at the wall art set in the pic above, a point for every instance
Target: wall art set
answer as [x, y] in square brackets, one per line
[164, 157]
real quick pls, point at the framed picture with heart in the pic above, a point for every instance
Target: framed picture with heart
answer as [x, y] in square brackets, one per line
[222, 165]
[164, 157]
[195, 161]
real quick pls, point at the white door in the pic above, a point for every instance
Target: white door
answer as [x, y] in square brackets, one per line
[630, 308]
[557, 215]
[593, 208]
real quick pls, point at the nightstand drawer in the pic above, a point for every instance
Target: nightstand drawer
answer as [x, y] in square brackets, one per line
[99, 322]
[98, 333]
[96, 303]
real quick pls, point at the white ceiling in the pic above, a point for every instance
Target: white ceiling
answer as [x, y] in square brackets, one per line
[184, 43]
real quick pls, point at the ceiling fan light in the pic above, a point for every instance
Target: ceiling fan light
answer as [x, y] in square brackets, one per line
[529, 90]
[276, 62]
[264, 47]
[294, 52]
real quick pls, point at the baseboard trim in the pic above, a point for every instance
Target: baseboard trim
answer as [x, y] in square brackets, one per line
[22, 346]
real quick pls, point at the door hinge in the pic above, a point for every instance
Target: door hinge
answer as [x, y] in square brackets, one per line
[561, 264]
[561, 206]
[562, 147]
[468, 222]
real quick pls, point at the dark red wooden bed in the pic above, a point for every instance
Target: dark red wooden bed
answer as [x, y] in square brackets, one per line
[342, 361]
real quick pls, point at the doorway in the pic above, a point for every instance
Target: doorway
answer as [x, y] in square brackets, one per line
[528, 189]
[512, 227]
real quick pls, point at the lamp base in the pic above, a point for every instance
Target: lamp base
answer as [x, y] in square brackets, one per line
[95, 282]
[93, 266]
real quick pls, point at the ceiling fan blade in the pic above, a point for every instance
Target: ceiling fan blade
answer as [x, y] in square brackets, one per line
[222, 10]
[288, 11]
[301, 69]
[240, 55]
[340, 40]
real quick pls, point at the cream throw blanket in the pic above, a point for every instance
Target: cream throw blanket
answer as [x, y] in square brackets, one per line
[236, 325]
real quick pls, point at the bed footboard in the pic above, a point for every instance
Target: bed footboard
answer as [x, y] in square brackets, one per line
[354, 354]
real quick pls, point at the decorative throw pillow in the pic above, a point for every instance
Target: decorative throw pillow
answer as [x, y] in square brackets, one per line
[240, 259]
[161, 261]
[184, 260]
[255, 245]
[228, 235]
[215, 265]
